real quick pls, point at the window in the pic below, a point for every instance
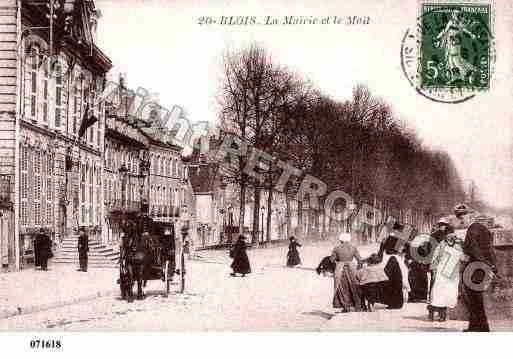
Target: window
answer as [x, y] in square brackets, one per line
[44, 97]
[77, 102]
[92, 171]
[37, 188]
[59, 94]
[83, 193]
[49, 189]
[32, 83]
[99, 90]
[24, 185]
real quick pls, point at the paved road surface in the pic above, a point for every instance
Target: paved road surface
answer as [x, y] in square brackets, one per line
[273, 297]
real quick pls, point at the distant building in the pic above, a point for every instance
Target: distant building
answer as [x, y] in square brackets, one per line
[163, 190]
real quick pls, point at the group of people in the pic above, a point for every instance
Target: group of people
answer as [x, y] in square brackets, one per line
[393, 275]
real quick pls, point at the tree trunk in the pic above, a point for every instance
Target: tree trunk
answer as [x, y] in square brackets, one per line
[242, 210]
[288, 214]
[269, 213]
[299, 218]
[256, 215]
[323, 221]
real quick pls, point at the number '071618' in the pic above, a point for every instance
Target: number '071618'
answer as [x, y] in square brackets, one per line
[45, 344]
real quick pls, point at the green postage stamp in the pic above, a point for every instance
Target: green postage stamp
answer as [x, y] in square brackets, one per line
[450, 55]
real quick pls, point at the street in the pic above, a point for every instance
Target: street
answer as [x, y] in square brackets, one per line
[272, 297]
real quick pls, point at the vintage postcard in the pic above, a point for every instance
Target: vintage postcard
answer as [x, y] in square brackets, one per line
[255, 166]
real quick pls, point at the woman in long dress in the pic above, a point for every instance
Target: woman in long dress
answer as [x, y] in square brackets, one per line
[347, 294]
[240, 262]
[445, 268]
[395, 291]
[418, 272]
[293, 258]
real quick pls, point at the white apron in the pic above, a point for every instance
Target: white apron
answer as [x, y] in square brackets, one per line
[447, 277]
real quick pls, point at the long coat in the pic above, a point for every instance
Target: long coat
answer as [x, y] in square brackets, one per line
[478, 247]
[83, 245]
[42, 248]
[293, 258]
[240, 262]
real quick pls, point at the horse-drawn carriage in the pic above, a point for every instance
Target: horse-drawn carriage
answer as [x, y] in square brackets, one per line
[147, 252]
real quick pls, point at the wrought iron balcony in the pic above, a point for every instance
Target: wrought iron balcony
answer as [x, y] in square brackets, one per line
[119, 205]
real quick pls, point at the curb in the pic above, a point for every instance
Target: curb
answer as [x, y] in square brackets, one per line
[57, 304]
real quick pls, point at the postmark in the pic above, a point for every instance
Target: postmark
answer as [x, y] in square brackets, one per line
[450, 54]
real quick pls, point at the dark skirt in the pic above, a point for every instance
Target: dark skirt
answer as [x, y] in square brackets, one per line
[240, 263]
[418, 278]
[374, 292]
[293, 258]
[346, 289]
[393, 290]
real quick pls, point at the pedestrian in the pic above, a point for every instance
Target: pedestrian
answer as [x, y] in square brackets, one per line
[187, 249]
[346, 293]
[168, 244]
[44, 248]
[479, 253]
[396, 291]
[293, 258]
[372, 279]
[240, 264]
[418, 271]
[37, 251]
[446, 276]
[83, 248]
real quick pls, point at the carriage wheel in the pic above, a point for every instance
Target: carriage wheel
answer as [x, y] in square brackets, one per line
[166, 277]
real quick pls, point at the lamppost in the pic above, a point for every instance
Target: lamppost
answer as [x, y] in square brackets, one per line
[144, 172]
[230, 223]
[222, 210]
[262, 236]
[123, 173]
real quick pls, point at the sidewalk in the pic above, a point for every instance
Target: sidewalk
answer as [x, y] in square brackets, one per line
[30, 290]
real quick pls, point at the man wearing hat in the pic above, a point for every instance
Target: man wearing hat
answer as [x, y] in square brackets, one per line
[83, 248]
[44, 248]
[478, 250]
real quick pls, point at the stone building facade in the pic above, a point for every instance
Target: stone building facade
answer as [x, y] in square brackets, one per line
[48, 85]
[164, 188]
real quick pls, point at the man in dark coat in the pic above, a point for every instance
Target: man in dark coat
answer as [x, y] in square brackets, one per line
[481, 262]
[83, 248]
[43, 245]
[37, 252]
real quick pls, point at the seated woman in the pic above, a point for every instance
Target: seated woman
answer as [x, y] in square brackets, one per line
[372, 279]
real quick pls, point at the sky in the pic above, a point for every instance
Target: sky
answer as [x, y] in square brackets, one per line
[162, 46]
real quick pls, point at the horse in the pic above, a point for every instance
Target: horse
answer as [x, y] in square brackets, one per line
[134, 257]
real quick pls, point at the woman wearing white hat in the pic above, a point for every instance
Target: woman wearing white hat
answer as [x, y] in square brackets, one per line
[346, 290]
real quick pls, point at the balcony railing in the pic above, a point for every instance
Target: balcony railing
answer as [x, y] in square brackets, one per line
[123, 206]
[165, 211]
